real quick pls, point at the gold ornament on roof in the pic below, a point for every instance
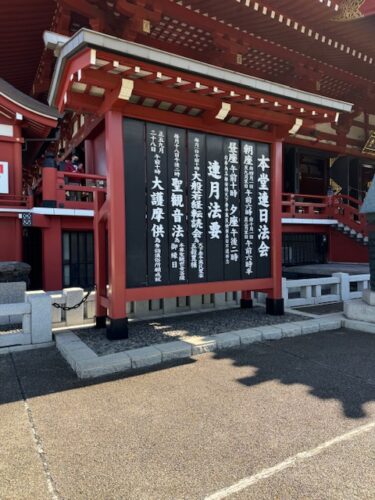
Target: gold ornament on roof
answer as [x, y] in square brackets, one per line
[349, 10]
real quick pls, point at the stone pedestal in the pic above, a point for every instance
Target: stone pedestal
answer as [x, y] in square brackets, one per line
[369, 297]
[13, 271]
[361, 309]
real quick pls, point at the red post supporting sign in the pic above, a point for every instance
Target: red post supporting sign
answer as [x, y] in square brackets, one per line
[100, 238]
[274, 302]
[116, 225]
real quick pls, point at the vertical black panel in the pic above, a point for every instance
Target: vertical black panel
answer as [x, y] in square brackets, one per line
[263, 232]
[135, 177]
[232, 210]
[177, 205]
[248, 209]
[197, 207]
[157, 198]
[215, 208]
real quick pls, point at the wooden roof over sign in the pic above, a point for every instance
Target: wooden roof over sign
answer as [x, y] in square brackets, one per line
[96, 72]
[310, 48]
[280, 40]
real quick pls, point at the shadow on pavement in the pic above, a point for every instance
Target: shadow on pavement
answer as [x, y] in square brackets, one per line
[335, 365]
[44, 371]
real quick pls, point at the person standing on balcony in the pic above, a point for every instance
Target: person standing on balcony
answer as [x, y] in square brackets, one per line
[60, 161]
[49, 160]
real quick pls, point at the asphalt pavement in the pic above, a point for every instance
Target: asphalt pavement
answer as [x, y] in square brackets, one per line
[287, 419]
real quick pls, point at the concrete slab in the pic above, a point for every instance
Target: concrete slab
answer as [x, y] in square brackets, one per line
[330, 323]
[174, 350]
[270, 332]
[144, 356]
[201, 345]
[104, 365]
[249, 336]
[309, 326]
[227, 340]
[290, 329]
[360, 326]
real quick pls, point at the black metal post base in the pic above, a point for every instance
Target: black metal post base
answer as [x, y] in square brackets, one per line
[100, 321]
[246, 303]
[275, 307]
[117, 329]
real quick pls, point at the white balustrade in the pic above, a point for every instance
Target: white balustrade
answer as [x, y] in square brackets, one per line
[339, 287]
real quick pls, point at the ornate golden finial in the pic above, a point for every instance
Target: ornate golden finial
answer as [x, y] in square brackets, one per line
[349, 10]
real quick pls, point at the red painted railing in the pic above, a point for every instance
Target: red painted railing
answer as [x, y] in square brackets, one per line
[306, 206]
[346, 210]
[70, 190]
[343, 208]
[77, 190]
[13, 201]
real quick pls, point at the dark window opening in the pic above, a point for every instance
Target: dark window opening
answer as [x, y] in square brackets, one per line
[78, 259]
[304, 248]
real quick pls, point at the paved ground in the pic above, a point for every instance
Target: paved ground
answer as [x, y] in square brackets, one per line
[240, 418]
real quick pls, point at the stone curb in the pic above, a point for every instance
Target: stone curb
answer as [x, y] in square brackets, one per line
[362, 326]
[87, 364]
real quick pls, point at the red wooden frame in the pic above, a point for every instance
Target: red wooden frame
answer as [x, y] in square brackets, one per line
[113, 210]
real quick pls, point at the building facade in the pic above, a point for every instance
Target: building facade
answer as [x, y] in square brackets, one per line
[217, 141]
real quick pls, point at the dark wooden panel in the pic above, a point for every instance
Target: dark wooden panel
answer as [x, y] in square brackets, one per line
[215, 208]
[157, 196]
[232, 210]
[248, 209]
[177, 205]
[197, 207]
[263, 233]
[135, 203]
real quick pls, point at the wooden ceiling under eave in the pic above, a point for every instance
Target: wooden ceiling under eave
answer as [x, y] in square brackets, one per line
[22, 23]
[307, 27]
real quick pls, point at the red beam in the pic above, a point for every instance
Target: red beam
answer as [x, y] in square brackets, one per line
[158, 292]
[192, 122]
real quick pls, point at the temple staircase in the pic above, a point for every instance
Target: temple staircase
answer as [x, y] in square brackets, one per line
[346, 210]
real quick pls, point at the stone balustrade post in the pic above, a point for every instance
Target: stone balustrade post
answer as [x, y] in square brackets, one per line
[73, 296]
[41, 317]
[344, 285]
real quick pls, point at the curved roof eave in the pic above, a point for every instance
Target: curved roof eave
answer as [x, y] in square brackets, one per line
[26, 102]
[88, 38]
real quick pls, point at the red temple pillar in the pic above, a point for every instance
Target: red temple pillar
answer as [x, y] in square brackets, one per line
[17, 155]
[52, 255]
[118, 321]
[101, 259]
[274, 301]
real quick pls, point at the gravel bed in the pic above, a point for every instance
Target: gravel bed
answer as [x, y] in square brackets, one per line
[148, 332]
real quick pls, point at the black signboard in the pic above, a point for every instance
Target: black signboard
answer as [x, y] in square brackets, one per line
[232, 210]
[215, 207]
[135, 203]
[263, 207]
[177, 202]
[157, 204]
[248, 209]
[198, 206]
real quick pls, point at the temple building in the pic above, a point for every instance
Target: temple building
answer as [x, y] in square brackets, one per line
[180, 148]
